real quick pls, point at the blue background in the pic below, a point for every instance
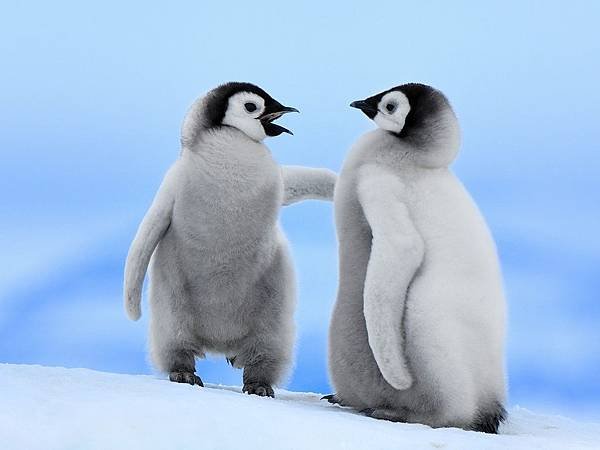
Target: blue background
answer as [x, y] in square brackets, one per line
[92, 97]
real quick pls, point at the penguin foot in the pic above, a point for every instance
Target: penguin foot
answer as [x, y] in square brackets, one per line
[260, 389]
[332, 398]
[384, 414]
[186, 377]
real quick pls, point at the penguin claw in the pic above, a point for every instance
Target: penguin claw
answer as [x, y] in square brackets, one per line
[186, 377]
[332, 398]
[384, 414]
[262, 390]
[231, 361]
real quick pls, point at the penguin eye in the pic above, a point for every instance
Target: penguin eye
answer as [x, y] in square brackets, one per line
[250, 107]
[390, 107]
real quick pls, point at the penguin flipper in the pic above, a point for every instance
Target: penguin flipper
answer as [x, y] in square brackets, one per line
[150, 232]
[396, 253]
[305, 183]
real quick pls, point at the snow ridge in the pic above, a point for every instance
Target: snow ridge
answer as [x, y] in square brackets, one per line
[54, 408]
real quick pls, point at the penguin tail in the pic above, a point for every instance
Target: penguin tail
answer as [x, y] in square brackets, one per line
[488, 420]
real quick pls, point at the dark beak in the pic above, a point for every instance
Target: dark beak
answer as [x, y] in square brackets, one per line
[272, 112]
[366, 106]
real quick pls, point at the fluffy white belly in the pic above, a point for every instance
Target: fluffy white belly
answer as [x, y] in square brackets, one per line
[456, 298]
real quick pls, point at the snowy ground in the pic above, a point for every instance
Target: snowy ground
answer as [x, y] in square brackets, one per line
[54, 408]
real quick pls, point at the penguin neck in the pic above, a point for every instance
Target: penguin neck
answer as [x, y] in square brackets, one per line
[434, 150]
[404, 154]
[437, 144]
[226, 150]
[229, 143]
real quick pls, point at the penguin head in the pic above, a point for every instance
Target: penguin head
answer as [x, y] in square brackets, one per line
[417, 114]
[388, 109]
[243, 106]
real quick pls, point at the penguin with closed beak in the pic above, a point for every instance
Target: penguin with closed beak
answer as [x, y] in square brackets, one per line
[417, 332]
[221, 275]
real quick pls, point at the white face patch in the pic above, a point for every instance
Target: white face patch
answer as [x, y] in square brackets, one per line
[392, 111]
[243, 111]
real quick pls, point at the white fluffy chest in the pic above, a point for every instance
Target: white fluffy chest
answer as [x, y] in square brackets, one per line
[228, 196]
[449, 221]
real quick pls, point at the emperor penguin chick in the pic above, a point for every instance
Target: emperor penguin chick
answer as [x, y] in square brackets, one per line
[417, 333]
[221, 277]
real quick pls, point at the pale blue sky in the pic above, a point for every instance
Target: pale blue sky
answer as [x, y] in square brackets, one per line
[91, 101]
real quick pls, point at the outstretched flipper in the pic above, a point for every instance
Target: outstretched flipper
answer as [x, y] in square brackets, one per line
[396, 254]
[151, 230]
[304, 183]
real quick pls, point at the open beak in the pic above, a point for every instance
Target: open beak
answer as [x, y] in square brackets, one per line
[366, 106]
[272, 112]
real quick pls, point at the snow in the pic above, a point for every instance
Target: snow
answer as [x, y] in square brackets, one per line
[56, 408]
